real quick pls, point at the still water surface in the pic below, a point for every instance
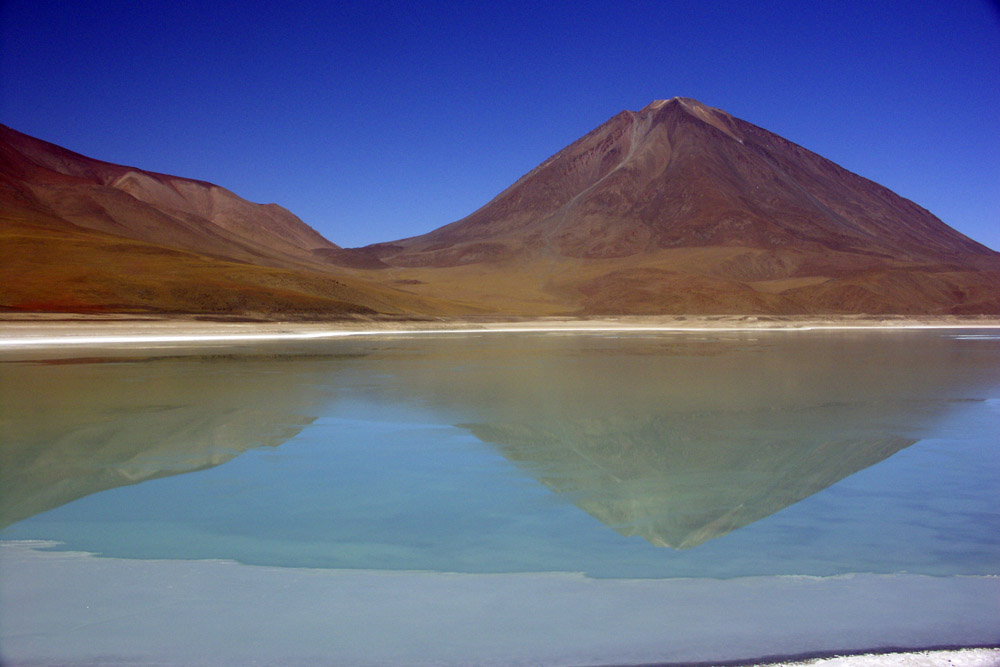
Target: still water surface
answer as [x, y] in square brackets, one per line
[617, 456]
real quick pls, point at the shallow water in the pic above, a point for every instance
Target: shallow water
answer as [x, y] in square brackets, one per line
[709, 456]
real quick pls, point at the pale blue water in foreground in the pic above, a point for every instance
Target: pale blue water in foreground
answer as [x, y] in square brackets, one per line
[626, 456]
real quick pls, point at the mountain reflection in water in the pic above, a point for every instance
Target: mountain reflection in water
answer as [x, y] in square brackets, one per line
[678, 482]
[70, 430]
[678, 439]
[683, 439]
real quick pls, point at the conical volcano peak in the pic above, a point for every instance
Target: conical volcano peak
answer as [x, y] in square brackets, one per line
[681, 207]
[717, 118]
[688, 103]
[658, 104]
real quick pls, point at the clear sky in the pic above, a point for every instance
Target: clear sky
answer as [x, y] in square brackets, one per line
[378, 120]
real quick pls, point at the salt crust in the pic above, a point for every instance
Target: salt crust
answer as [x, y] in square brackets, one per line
[74, 608]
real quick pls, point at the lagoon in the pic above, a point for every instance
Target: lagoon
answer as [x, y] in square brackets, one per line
[555, 498]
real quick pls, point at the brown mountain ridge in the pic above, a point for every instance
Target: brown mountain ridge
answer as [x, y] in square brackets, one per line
[82, 235]
[681, 207]
[676, 208]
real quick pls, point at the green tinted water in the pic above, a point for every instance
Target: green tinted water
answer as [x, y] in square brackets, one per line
[617, 456]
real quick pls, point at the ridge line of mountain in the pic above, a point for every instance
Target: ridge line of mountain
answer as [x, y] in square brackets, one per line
[676, 208]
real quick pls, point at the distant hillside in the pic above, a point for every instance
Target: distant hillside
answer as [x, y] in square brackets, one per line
[89, 236]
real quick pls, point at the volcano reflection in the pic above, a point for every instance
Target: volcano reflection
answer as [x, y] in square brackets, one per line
[678, 482]
[677, 439]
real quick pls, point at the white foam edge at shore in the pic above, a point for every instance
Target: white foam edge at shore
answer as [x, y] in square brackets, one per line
[75, 608]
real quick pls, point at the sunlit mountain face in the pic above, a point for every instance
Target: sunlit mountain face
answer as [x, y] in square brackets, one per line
[678, 208]
[82, 235]
[682, 208]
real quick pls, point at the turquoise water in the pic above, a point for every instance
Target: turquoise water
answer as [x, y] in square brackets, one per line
[650, 456]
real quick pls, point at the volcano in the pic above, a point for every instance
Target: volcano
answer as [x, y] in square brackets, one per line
[683, 208]
[678, 208]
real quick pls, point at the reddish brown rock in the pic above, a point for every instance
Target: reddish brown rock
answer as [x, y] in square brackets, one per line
[655, 190]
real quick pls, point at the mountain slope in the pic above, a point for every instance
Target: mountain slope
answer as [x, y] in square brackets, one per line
[683, 208]
[677, 208]
[83, 235]
[146, 206]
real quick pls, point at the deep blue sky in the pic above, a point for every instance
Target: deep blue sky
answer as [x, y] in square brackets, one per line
[378, 120]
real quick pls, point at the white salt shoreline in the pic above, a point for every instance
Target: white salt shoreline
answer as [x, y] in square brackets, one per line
[102, 333]
[969, 657]
[75, 608]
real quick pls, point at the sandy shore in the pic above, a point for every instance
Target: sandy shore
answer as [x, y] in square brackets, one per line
[40, 330]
